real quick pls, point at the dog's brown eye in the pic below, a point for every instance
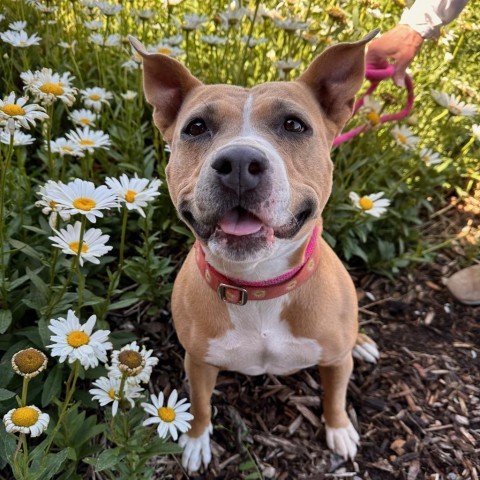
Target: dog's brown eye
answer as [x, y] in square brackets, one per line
[294, 125]
[196, 127]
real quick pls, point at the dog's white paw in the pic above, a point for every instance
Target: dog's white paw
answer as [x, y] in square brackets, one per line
[196, 451]
[343, 441]
[366, 349]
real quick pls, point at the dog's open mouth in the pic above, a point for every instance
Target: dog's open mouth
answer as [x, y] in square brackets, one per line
[240, 222]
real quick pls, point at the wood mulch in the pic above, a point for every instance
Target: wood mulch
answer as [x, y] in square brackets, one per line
[418, 409]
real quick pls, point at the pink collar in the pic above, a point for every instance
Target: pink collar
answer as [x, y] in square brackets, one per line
[238, 292]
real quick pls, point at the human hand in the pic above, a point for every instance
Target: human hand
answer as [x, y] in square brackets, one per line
[401, 43]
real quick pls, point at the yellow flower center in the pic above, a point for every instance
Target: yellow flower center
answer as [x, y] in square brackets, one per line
[23, 42]
[454, 109]
[25, 417]
[365, 203]
[402, 138]
[111, 393]
[12, 109]
[75, 245]
[67, 149]
[86, 142]
[29, 360]
[52, 205]
[130, 358]
[85, 121]
[166, 414]
[77, 339]
[85, 204]
[94, 97]
[130, 196]
[165, 50]
[53, 88]
[373, 118]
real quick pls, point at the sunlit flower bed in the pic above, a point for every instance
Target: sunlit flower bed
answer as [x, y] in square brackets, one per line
[78, 148]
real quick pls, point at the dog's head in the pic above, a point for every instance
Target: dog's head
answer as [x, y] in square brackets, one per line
[250, 168]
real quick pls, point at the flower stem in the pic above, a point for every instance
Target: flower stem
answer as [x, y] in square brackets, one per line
[24, 391]
[118, 273]
[3, 179]
[69, 391]
[51, 165]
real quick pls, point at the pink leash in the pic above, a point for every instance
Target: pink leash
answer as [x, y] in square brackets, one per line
[375, 75]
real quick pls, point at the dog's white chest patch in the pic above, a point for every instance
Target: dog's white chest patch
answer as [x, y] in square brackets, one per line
[261, 342]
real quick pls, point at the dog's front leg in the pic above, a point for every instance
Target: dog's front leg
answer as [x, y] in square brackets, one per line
[342, 438]
[196, 444]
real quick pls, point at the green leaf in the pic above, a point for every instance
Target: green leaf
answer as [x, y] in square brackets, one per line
[6, 394]
[53, 385]
[5, 320]
[50, 465]
[107, 459]
[127, 302]
[40, 285]
[24, 248]
[7, 443]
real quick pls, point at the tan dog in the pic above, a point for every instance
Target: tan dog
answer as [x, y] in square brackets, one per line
[250, 173]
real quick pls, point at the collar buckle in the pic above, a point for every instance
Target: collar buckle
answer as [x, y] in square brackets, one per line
[232, 294]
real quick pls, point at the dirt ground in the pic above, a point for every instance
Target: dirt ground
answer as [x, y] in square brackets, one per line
[417, 409]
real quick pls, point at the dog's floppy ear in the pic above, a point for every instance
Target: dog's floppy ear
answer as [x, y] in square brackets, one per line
[335, 76]
[166, 83]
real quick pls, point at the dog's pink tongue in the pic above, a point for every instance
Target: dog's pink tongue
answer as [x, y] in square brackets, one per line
[240, 223]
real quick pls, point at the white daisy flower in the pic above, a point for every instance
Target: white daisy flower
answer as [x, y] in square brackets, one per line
[429, 156]
[93, 244]
[94, 97]
[136, 363]
[454, 105]
[29, 420]
[404, 137]
[63, 146]
[170, 418]
[90, 4]
[129, 95]
[290, 24]
[68, 46]
[134, 192]
[109, 9]
[372, 204]
[165, 49]
[47, 87]
[476, 131]
[131, 65]
[108, 391]
[76, 342]
[19, 111]
[20, 25]
[175, 40]
[193, 21]
[371, 109]
[45, 9]
[88, 139]
[20, 139]
[286, 66]
[94, 25]
[81, 196]
[213, 40]
[83, 117]
[146, 14]
[20, 39]
[113, 40]
[48, 206]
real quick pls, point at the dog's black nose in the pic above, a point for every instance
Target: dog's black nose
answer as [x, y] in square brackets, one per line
[240, 168]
